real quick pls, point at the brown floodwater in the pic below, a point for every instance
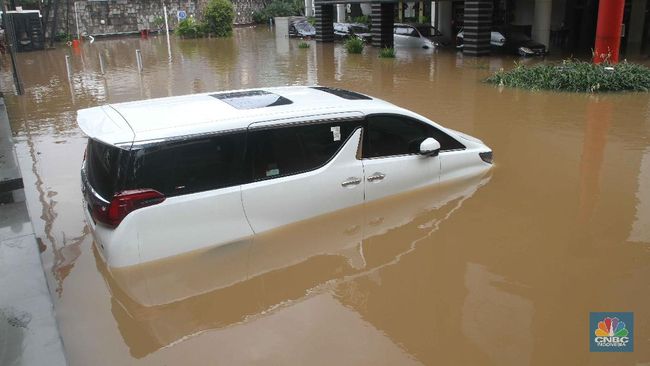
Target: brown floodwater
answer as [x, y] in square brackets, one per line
[501, 269]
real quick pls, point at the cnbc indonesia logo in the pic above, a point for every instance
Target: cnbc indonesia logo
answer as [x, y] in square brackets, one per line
[611, 333]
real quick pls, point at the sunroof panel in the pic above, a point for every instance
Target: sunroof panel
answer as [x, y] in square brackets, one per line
[252, 99]
[342, 93]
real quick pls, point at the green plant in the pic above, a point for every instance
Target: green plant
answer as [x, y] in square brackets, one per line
[158, 22]
[387, 52]
[311, 20]
[354, 45]
[576, 76]
[218, 17]
[63, 37]
[363, 19]
[278, 8]
[424, 19]
[190, 28]
[303, 45]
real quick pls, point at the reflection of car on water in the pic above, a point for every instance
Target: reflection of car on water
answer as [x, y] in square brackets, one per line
[216, 167]
[226, 285]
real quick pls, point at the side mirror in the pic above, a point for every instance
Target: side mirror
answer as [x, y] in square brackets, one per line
[430, 147]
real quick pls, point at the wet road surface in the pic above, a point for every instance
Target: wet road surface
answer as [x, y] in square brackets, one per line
[501, 269]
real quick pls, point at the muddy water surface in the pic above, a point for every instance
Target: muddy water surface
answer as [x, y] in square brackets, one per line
[500, 269]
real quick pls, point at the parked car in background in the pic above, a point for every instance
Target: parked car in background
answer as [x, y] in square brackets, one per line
[301, 28]
[497, 39]
[345, 30]
[515, 42]
[167, 176]
[405, 35]
[519, 43]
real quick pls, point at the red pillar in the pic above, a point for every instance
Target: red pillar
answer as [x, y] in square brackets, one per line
[608, 32]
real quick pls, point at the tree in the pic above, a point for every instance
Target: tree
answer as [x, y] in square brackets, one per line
[218, 16]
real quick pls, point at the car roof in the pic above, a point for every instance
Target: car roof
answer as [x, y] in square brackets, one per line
[123, 124]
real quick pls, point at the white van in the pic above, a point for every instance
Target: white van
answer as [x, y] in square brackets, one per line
[167, 176]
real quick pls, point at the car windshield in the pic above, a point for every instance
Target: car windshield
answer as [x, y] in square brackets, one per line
[406, 31]
[303, 26]
[356, 28]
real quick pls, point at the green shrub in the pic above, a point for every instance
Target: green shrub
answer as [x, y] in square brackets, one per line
[303, 45]
[354, 45]
[190, 28]
[312, 21]
[363, 19]
[259, 17]
[218, 17]
[387, 52]
[63, 37]
[576, 76]
[158, 22]
[279, 8]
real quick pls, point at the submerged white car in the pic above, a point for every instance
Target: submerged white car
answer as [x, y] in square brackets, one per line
[167, 176]
[405, 35]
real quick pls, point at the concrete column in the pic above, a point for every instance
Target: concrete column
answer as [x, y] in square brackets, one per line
[309, 8]
[478, 24]
[340, 13]
[324, 23]
[444, 21]
[608, 30]
[400, 8]
[434, 20]
[383, 15]
[542, 21]
[420, 11]
[637, 19]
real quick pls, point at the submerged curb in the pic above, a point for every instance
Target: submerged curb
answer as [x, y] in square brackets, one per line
[28, 331]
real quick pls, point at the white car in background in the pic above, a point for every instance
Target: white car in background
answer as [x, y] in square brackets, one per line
[497, 39]
[405, 35]
[168, 176]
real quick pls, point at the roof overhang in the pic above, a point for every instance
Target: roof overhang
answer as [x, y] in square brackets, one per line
[334, 2]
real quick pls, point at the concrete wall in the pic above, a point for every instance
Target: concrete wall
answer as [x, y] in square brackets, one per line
[523, 14]
[119, 16]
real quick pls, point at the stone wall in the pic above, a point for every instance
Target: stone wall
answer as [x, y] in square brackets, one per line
[244, 10]
[127, 16]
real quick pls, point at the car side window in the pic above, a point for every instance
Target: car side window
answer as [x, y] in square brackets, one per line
[390, 135]
[405, 31]
[282, 151]
[190, 165]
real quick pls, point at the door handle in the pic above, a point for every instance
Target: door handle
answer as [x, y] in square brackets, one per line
[376, 177]
[350, 182]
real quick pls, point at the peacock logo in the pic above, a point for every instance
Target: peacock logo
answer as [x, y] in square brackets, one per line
[611, 332]
[611, 327]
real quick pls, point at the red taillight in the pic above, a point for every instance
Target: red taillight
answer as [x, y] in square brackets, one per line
[124, 203]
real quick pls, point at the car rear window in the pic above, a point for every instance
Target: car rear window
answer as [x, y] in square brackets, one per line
[104, 164]
[190, 165]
